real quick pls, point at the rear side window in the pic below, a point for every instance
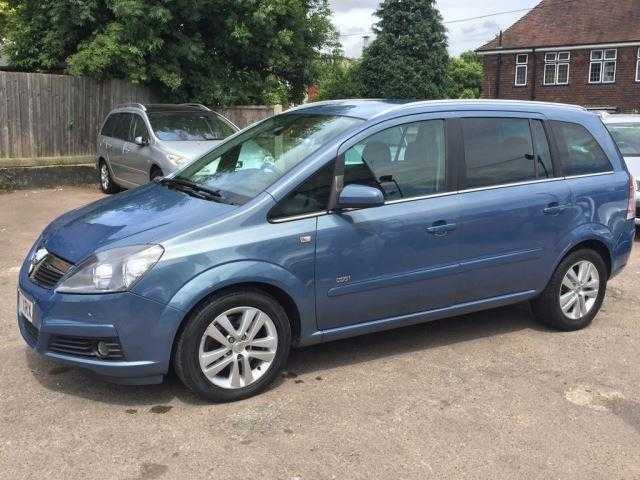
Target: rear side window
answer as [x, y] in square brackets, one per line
[498, 151]
[580, 153]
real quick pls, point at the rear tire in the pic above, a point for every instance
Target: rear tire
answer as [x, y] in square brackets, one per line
[214, 341]
[107, 185]
[575, 292]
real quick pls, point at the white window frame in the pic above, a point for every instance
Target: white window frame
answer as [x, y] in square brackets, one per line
[638, 67]
[520, 64]
[602, 58]
[556, 59]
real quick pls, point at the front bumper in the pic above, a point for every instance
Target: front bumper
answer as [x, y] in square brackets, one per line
[144, 328]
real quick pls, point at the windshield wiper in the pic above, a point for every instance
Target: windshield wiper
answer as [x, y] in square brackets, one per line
[190, 187]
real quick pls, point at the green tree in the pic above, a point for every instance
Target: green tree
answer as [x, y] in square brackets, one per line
[464, 76]
[408, 58]
[212, 51]
[338, 77]
[6, 16]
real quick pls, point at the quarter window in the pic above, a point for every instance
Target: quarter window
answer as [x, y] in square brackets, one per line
[522, 61]
[602, 68]
[501, 151]
[109, 125]
[556, 68]
[580, 153]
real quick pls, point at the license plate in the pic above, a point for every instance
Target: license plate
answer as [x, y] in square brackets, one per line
[25, 306]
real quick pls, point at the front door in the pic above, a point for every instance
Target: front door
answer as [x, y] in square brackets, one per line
[398, 259]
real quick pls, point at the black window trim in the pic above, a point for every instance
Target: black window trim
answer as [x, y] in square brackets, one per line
[455, 160]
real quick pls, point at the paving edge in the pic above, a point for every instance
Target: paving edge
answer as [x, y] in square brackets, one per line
[17, 178]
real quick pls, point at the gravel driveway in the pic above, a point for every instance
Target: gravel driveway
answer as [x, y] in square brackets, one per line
[490, 395]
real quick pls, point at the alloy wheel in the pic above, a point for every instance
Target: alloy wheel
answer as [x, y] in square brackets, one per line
[579, 290]
[238, 347]
[104, 176]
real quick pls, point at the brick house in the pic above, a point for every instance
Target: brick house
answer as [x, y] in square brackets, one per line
[585, 52]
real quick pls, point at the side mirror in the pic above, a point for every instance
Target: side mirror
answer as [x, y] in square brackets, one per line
[360, 196]
[141, 141]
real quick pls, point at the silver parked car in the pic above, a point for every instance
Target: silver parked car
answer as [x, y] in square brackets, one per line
[138, 143]
[625, 130]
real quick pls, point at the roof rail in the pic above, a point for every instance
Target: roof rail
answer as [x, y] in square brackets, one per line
[132, 105]
[199, 105]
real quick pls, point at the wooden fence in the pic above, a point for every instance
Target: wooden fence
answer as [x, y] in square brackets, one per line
[54, 119]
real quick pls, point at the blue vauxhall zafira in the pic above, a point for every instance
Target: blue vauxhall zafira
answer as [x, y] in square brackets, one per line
[332, 220]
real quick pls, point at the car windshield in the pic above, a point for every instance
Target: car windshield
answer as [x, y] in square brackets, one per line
[189, 126]
[627, 136]
[251, 162]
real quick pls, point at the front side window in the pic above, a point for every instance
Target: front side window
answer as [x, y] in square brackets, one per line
[602, 68]
[501, 151]
[522, 61]
[406, 161]
[556, 68]
[627, 136]
[246, 165]
[188, 126]
[580, 153]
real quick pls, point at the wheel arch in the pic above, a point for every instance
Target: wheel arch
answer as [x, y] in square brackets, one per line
[295, 297]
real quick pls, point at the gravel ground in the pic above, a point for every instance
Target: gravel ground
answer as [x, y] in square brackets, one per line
[490, 395]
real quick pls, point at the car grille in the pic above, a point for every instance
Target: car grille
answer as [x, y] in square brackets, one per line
[31, 331]
[86, 347]
[48, 272]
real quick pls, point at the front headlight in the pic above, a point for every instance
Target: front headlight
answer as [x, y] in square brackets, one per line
[113, 270]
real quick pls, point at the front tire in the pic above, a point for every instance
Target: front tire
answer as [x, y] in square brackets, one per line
[233, 346]
[107, 185]
[575, 292]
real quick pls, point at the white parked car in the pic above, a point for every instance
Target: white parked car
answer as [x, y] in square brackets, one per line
[625, 130]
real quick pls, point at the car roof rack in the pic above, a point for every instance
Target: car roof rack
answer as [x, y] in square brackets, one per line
[197, 105]
[139, 106]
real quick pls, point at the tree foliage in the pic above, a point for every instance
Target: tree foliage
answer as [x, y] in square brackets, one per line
[6, 17]
[338, 77]
[408, 58]
[212, 51]
[464, 77]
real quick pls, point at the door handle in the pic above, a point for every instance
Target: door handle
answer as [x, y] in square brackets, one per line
[441, 228]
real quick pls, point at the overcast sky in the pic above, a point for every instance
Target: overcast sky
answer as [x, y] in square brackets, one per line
[357, 16]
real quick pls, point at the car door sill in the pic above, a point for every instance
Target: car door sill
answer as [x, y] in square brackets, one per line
[420, 317]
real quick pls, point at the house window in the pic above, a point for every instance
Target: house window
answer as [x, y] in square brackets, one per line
[522, 61]
[638, 67]
[603, 66]
[556, 68]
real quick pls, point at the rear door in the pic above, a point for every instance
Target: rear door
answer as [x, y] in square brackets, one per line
[515, 206]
